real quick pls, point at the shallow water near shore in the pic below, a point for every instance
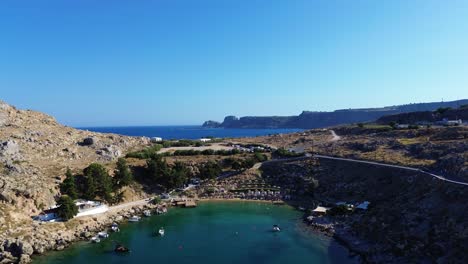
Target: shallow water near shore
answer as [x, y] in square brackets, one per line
[214, 232]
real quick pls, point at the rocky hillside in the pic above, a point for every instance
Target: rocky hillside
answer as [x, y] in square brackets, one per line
[310, 119]
[34, 153]
[412, 217]
[425, 116]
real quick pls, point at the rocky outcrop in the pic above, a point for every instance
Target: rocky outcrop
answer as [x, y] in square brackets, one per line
[110, 152]
[89, 141]
[211, 124]
[10, 150]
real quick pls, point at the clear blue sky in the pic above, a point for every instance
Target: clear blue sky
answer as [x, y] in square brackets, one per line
[167, 62]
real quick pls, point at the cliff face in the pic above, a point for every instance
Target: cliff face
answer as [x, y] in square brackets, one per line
[308, 120]
[35, 151]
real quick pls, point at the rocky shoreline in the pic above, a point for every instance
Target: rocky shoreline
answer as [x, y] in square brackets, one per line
[43, 239]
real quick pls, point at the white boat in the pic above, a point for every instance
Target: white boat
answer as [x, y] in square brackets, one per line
[147, 213]
[103, 234]
[276, 228]
[95, 239]
[134, 218]
[115, 227]
[161, 231]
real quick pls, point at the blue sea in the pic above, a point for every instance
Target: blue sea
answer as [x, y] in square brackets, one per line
[188, 132]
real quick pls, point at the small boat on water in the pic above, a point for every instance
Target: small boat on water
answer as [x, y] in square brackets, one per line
[147, 213]
[95, 239]
[134, 218]
[302, 209]
[103, 234]
[115, 227]
[276, 228]
[161, 231]
[121, 249]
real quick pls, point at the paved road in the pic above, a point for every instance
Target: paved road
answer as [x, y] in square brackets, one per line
[129, 204]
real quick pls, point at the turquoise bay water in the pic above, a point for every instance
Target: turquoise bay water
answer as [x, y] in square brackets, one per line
[214, 232]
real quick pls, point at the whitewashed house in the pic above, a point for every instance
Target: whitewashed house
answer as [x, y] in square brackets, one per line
[156, 139]
[205, 139]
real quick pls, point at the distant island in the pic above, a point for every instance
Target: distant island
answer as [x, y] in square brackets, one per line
[310, 119]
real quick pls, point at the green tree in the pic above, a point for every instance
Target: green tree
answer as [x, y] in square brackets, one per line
[179, 175]
[122, 175]
[102, 181]
[68, 186]
[90, 188]
[209, 170]
[360, 125]
[67, 209]
[158, 170]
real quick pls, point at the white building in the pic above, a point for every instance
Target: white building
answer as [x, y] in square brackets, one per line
[156, 139]
[446, 122]
[205, 139]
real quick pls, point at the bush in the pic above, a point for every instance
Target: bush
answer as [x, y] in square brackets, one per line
[145, 153]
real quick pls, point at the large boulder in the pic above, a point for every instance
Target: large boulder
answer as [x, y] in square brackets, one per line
[26, 248]
[89, 141]
[10, 150]
[110, 152]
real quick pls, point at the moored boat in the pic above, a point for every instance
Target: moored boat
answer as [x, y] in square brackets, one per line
[276, 228]
[115, 227]
[121, 249]
[147, 213]
[95, 239]
[134, 218]
[161, 231]
[103, 234]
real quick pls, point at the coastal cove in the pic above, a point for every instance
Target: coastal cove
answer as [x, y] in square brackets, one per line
[214, 232]
[189, 132]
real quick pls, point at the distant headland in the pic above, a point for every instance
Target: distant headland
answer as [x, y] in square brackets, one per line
[310, 119]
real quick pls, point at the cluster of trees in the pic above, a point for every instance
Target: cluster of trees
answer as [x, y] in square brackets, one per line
[209, 170]
[167, 176]
[95, 182]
